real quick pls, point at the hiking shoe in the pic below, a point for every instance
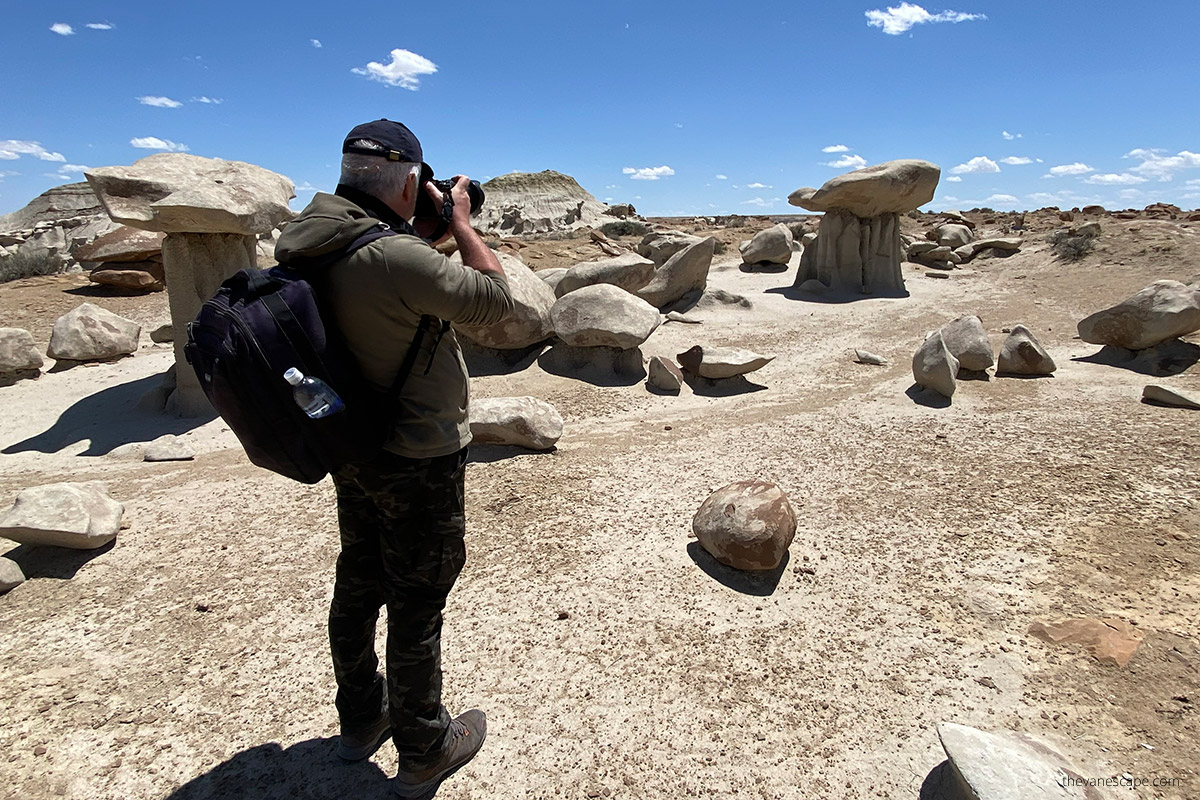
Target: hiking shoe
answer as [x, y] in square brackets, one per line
[355, 745]
[463, 741]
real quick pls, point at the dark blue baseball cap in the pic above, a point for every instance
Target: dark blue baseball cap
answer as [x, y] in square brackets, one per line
[399, 143]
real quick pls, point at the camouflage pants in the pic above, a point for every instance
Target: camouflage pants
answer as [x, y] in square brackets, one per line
[402, 522]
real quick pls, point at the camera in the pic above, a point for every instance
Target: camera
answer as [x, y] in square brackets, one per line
[426, 209]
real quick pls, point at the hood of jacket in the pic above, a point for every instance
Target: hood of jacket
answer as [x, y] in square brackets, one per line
[328, 224]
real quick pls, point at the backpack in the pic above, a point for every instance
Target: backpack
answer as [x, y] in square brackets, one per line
[260, 323]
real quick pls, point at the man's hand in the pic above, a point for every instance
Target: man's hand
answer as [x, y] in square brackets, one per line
[475, 253]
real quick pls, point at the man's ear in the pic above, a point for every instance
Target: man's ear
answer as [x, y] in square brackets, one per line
[412, 185]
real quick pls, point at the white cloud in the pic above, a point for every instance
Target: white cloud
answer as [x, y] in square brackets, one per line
[7, 173]
[158, 102]
[1113, 179]
[896, 20]
[835, 148]
[1044, 197]
[212, 101]
[154, 143]
[316, 43]
[854, 162]
[760, 202]
[1007, 199]
[1011, 136]
[1157, 164]
[722, 177]
[949, 199]
[758, 186]
[1078, 168]
[1131, 194]
[306, 188]
[647, 173]
[976, 165]
[612, 186]
[68, 171]
[101, 26]
[404, 70]
[12, 149]
[62, 29]
[1016, 161]
[954, 179]
[678, 124]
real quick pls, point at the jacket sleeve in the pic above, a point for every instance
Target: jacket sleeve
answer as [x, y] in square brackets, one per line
[432, 284]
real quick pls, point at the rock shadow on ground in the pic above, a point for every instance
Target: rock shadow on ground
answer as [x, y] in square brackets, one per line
[307, 769]
[721, 387]
[834, 296]
[483, 361]
[59, 563]
[927, 397]
[1169, 358]
[108, 419]
[757, 584]
[491, 453]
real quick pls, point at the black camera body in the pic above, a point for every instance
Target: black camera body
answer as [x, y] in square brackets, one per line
[427, 209]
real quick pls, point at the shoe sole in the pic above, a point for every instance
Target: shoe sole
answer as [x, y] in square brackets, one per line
[425, 791]
[361, 753]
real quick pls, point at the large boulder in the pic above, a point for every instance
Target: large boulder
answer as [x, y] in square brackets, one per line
[123, 244]
[659, 246]
[522, 203]
[603, 315]
[91, 333]
[76, 515]
[1023, 354]
[894, 187]
[628, 271]
[716, 363]
[1163, 310]
[934, 366]
[182, 193]
[19, 356]
[967, 341]
[746, 525]
[683, 272]
[952, 235]
[770, 246]
[530, 321]
[522, 421]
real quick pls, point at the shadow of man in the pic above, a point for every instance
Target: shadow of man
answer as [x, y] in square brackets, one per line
[306, 770]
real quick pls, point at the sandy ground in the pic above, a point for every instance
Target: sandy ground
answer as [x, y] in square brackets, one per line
[614, 657]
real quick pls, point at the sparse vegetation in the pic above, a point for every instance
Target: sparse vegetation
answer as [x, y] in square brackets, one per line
[1070, 246]
[720, 247]
[624, 227]
[29, 263]
[798, 229]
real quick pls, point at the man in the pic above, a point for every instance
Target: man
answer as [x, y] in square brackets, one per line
[400, 515]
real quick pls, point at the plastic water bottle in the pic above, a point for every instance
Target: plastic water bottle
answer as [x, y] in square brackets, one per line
[313, 395]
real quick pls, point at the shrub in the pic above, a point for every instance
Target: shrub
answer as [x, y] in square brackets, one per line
[720, 247]
[624, 227]
[798, 230]
[29, 263]
[1068, 246]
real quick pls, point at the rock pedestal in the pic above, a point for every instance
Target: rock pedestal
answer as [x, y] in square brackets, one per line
[212, 212]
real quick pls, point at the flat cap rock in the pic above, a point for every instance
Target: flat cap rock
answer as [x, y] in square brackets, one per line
[122, 244]
[522, 421]
[77, 515]
[628, 271]
[182, 193]
[603, 315]
[893, 187]
[1161, 311]
[721, 362]
[746, 525]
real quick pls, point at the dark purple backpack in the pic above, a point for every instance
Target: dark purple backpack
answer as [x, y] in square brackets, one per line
[260, 323]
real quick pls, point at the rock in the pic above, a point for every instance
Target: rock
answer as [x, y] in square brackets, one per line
[523, 203]
[18, 354]
[90, 333]
[770, 246]
[894, 187]
[746, 525]
[1089, 230]
[76, 515]
[675, 316]
[1093, 210]
[121, 245]
[134, 276]
[659, 246]
[682, 272]
[721, 362]
[1168, 397]
[970, 251]
[168, 448]
[522, 421]
[967, 341]
[163, 334]
[957, 217]
[1066, 216]
[941, 275]
[598, 362]
[952, 235]
[934, 366]
[11, 575]
[807, 239]
[852, 254]
[920, 248]
[182, 193]
[1163, 310]
[867, 357]
[663, 375]
[939, 254]
[629, 272]
[603, 315]
[530, 321]
[621, 210]
[552, 277]
[1007, 766]
[1110, 641]
[1022, 354]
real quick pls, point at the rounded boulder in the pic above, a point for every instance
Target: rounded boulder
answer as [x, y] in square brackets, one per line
[746, 525]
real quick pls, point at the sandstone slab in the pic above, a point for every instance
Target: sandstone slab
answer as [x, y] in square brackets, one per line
[91, 333]
[603, 315]
[894, 187]
[628, 271]
[770, 246]
[663, 375]
[121, 245]
[659, 246]
[1169, 397]
[715, 363]
[746, 525]
[522, 421]
[683, 272]
[75, 515]
[168, 448]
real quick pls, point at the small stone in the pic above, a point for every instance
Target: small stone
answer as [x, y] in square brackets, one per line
[867, 357]
[564, 615]
[721, 362]
[746, 525]
[40, 750]
[163, 334]
[1168, 397]
[1022, 354]
[1110, 641]
[522, 421]
[663, 375]
[942, 275]
[676, 316]
[11, 575]
[168, 448]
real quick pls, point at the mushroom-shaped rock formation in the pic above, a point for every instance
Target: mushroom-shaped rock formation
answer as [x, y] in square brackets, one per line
[858, 241]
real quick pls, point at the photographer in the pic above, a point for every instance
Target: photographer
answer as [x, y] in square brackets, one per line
[401, 515]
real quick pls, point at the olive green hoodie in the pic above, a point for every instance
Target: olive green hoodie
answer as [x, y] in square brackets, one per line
[378, 295]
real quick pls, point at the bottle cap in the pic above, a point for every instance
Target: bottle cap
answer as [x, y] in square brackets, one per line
[293, 376]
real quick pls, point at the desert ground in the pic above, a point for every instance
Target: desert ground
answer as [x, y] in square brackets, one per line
[614, 657]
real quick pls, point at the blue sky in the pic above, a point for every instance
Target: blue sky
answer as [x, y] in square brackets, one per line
[681, 108]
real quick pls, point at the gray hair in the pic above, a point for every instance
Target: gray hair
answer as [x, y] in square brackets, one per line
[376, 176]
